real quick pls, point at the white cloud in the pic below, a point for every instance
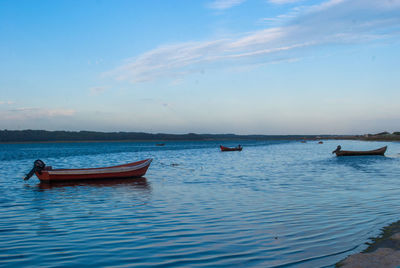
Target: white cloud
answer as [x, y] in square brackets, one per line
[280, 2]
[35, 113]
[325, 5]
[7, 102]
[225, 4]
[281, 18]
[96, 90]
[330, 22]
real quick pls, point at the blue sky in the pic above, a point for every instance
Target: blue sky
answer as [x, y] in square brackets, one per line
[212, 66]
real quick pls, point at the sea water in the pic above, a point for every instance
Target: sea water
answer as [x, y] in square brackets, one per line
[275, 204]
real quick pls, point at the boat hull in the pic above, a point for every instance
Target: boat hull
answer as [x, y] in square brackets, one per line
[380, 151]
[228, 149]
[131, 170]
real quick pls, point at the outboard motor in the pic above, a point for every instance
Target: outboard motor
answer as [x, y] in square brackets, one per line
[38, 166]
[337, 149]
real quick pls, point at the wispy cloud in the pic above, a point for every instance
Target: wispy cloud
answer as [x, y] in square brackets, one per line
[7, 102]
[280, 2]
[330, 22]
[96, 90]
[224, 4]
[24, 113]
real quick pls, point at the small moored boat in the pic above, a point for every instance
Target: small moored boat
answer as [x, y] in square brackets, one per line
[339, 152]
[48, 174]
[228, 149]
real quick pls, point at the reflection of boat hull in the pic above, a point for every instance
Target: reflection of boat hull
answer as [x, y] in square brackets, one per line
[137, 183]
[131, 170]
[228, 149]
[380, 151]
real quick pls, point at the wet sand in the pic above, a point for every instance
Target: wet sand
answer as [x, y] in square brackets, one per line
[384, 251]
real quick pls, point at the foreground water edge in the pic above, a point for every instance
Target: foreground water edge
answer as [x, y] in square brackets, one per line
[384, 251]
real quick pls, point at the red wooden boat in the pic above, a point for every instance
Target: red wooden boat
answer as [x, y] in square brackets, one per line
[48, 174]
[227, 149]
[339, 152]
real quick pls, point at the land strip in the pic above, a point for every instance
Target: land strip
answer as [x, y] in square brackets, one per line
[384, 251]
[16, 136]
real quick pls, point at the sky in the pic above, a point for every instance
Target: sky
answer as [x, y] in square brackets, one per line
[213, 66]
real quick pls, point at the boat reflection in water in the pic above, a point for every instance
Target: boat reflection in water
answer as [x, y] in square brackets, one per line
[136, 183]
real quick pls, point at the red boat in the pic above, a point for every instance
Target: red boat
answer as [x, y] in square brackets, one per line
[48, 174]
[228, 149]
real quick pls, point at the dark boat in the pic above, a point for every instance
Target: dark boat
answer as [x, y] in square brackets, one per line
[339, 152]
[229, 149]
[48, 174]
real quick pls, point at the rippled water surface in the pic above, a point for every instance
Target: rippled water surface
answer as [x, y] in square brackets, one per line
[275, 204]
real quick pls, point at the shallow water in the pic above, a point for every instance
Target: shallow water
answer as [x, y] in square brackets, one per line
[275, 204]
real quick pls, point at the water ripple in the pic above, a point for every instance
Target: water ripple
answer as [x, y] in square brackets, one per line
[275, 204]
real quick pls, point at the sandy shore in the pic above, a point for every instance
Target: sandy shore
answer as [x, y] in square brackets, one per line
[384, 251]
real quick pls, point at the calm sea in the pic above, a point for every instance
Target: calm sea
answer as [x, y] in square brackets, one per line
[275, 204]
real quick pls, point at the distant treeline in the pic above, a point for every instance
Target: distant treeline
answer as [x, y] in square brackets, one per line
[382, 136]
[58, 136]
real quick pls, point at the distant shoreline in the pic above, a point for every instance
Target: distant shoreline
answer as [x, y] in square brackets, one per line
[44, 136]
[375, 137]
[41, 136]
